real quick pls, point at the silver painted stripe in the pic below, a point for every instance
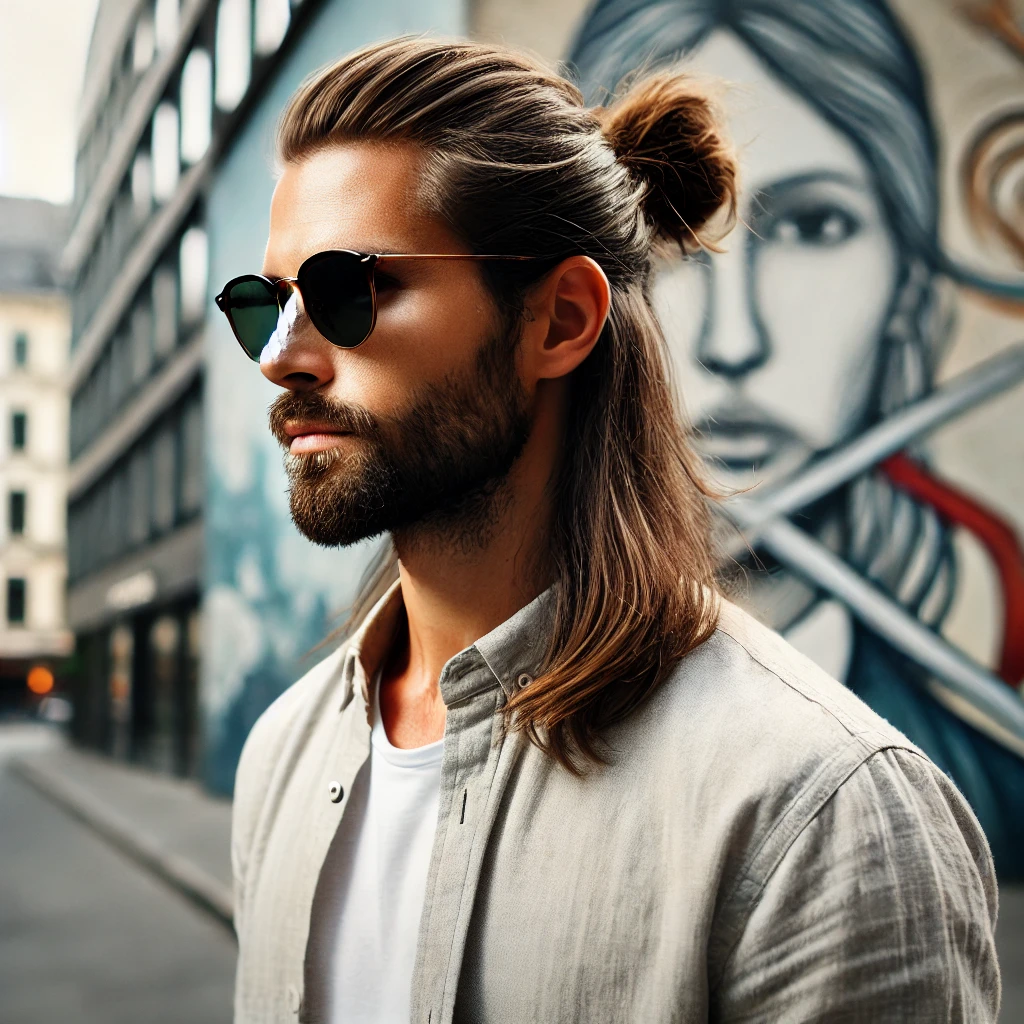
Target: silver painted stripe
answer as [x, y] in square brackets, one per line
[971, 388]
[967, 679]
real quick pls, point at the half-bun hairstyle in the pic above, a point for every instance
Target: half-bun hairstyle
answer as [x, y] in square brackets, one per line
[513, 162]
[667, 132]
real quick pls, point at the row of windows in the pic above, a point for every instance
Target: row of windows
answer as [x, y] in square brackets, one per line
[179, 134]
[155, 487]
[262, 24]
[163, 315]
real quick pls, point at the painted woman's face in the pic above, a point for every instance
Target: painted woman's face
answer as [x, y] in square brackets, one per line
[776, 342]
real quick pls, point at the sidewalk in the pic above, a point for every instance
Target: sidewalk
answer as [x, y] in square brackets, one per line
[169, 826]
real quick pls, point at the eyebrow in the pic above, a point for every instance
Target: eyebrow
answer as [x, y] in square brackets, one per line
[813, 177]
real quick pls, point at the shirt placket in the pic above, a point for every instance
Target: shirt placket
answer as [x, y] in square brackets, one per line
[348, 751]
[477, 762]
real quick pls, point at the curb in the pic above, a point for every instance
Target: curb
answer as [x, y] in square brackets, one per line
[192, 882]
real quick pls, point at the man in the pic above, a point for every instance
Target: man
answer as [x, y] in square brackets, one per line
[551, 776]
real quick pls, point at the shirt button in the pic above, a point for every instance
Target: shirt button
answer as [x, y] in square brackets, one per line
[523, 681]
[337, 792]
[294, 999]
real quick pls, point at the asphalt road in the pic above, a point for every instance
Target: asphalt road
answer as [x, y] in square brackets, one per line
[86, 936]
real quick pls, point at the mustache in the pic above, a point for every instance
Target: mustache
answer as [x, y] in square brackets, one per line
[311, 405]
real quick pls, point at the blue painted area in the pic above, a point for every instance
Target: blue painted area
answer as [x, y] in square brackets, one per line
[269, 596]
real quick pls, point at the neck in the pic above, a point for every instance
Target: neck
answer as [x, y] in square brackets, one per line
[455, 592]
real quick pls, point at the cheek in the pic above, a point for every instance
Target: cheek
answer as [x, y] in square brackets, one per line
[423, 334]
[823, 312]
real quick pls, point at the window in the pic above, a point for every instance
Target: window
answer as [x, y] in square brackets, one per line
[165, 311]
[21, 349]
[272, 17]
[143, 45]
[166, 166]
[166, 24]
[16, 600]
[190, 494]
[196, 105]
[141, 331]
[139, 490]
[19, 431]
[142, 185]
[233, 52]
[16, 517]
[163, 469]
[193, 270]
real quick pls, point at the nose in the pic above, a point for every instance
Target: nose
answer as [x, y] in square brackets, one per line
[297, 357]
[733, 341]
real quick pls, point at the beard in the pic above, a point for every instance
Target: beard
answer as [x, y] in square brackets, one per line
[436, 470]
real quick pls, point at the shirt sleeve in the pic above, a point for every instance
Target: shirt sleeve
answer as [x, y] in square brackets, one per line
[882, 909]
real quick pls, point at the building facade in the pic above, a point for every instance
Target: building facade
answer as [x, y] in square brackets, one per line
[34, 329]
[167, 86]
[165, 513]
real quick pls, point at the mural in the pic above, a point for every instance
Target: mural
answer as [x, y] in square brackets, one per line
[822, 327]
[270, 597]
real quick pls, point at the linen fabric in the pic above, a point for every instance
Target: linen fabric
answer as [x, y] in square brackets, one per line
[760, 846]
[373, 881]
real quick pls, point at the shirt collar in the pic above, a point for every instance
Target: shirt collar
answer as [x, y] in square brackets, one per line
[517, 647]
[512, 652]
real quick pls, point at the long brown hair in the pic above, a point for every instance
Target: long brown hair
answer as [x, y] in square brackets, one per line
[515, 163]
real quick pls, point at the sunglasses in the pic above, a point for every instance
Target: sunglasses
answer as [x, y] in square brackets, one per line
[338, 294]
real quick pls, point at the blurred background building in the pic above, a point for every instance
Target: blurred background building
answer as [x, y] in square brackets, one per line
[34, 329]
[168, 86]
[175, 494]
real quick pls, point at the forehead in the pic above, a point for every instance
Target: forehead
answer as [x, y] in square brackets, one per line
[778, 134]
[353, 196]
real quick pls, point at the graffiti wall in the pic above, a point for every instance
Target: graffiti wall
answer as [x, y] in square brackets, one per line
[879, 257]
[270, 596]
[848, 361]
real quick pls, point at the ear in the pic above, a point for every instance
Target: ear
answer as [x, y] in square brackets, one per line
[566, 312]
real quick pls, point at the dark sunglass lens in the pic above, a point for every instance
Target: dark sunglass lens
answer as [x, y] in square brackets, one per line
[336, 294]
[252, 308]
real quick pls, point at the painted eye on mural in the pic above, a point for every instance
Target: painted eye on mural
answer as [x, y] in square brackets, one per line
[822, 225]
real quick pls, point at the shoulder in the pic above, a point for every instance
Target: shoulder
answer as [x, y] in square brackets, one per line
[749, 733]
[747, 678]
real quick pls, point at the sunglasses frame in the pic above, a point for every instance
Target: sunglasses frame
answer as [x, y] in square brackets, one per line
[282, 287]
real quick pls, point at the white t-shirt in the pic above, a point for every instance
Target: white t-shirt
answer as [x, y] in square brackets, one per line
[388, 835]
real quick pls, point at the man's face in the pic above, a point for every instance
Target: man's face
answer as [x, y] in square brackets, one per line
[420, 424]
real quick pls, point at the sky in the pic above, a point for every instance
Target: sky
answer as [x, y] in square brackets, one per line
[42, 56]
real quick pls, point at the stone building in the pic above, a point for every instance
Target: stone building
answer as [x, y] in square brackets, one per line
[34, 328]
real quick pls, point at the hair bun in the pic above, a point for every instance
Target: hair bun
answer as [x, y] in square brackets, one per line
[668, 133]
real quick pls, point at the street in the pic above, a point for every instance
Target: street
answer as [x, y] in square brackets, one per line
[85, 935]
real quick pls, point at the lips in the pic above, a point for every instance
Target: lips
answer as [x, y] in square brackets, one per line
[312, 437]
[741, 441]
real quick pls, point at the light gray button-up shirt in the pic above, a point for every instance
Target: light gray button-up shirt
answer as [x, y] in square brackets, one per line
[761, 846]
